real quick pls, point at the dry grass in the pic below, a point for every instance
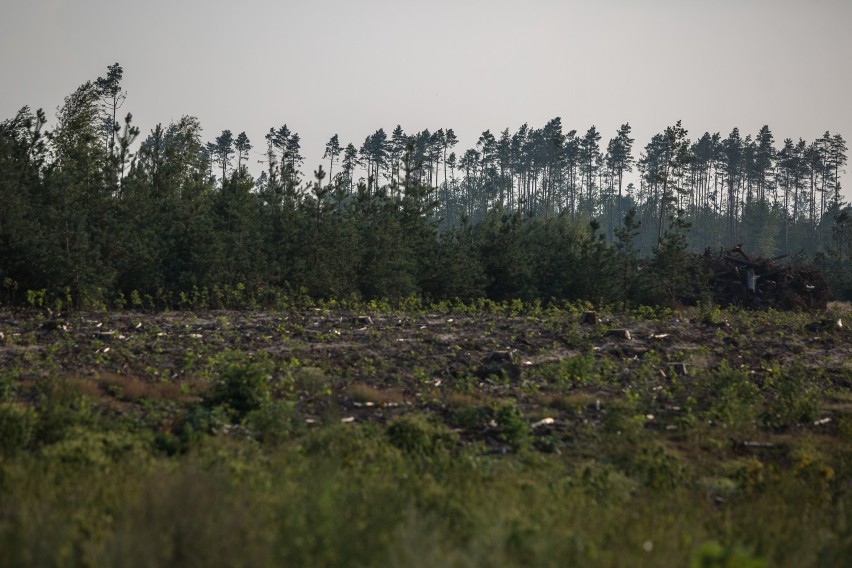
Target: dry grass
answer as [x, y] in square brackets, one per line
[461, 400]
[844, 308]
[360, 392]
[133, 389]
[573, 402]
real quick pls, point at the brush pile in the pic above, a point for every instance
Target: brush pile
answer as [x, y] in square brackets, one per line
[742, 280]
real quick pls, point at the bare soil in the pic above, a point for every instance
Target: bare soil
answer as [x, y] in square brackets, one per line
[361, 366]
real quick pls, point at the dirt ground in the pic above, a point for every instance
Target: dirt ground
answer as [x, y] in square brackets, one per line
[558, 368]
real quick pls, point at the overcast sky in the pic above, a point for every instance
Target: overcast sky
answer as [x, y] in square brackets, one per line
[328, 67]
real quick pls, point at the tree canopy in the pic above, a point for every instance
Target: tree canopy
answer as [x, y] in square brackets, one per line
[94, 216]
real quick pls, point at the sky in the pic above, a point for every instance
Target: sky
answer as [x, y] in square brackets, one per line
[326, 67]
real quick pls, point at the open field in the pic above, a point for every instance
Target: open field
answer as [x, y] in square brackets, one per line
[458, 435]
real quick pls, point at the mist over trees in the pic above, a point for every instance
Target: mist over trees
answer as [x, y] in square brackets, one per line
[94, 214]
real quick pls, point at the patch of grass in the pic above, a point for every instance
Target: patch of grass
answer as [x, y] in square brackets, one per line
[576, 402]
[134, 389]
[364, 393]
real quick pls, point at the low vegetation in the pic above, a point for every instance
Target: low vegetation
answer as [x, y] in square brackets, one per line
[492, 434]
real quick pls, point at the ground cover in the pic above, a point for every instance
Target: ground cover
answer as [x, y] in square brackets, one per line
[486, 434]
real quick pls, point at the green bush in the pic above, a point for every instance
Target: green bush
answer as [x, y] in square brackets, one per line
[419, 436]
[17, 426]
[200, 421]
[242, 383]
[83, 448]
[711, 554]
[275, 422]
[794, 398]
[514, 429]
[730, 396]
[61, 408]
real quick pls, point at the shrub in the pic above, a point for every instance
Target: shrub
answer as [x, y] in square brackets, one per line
[711, 554]
[418, 435]
[61, 407]
[242, 384]
[795, 399]
[514, 429]
[730, 395]
[275, 422]
[86, 448]
[17, 425]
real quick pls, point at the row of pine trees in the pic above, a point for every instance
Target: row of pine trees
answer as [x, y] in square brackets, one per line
[92, 215]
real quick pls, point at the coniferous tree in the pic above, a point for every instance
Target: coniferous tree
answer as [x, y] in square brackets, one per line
[588, 150]
[112, 97]
[242, 145]
[332, 153]
[350, 162]
[732, 152]
[78, 180]
[24, 238]
[223, 149]
[619, 159]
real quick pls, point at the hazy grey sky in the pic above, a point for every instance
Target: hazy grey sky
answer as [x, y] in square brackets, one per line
[350, 67]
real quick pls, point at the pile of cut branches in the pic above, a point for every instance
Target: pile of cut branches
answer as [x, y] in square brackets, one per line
[742, 280]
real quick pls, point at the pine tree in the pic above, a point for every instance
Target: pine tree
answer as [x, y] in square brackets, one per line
[112, 98]
[242, 145]
[332, 152]
[223, 149]
[619, 159]
[587, 158]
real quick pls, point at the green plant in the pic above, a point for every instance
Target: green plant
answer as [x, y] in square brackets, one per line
[794, 398]
[419, 436]
[513, 427]
[241, 383]
[35, 298]
[60, 408]
[730, 396]
[275, 422]
[711, 554]
[17, 426]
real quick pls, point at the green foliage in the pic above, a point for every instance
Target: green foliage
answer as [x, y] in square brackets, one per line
[417, 435]
[275, 422]
[84, 448]
[729, 396]
[794, 397]
[88, 222]
[17, 426]
[61, 407]
[711, 554]
[513, 427]
[241, 383]
[657, 467]
[678, 277]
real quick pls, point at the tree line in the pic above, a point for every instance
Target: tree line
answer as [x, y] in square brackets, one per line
[93, 215]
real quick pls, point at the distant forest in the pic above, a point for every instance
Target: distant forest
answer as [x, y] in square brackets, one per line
[92, 215]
